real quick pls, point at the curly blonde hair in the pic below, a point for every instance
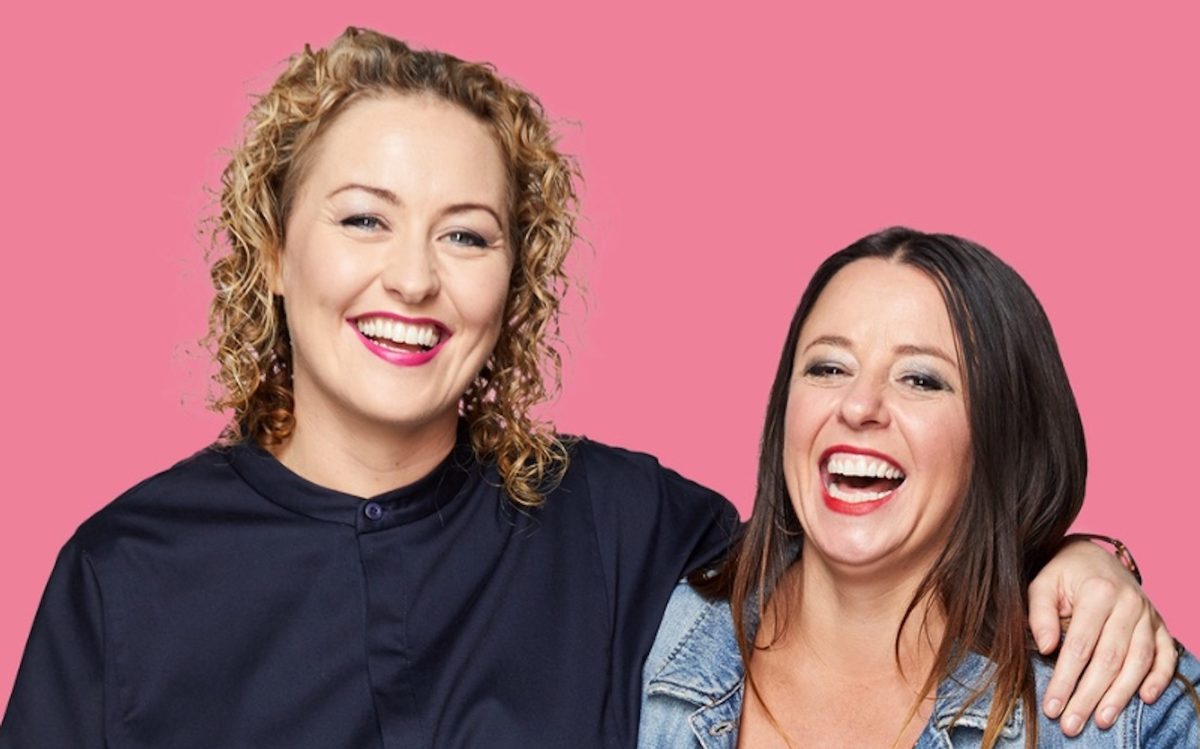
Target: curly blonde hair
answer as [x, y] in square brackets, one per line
[247, 327]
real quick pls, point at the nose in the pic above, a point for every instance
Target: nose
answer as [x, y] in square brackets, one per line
[864, 404]
[411, 271]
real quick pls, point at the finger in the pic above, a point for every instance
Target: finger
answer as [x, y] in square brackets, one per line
[1043, 616]
[1166, 660]
[1096, 600]
[1107, 659]
[1138, 660]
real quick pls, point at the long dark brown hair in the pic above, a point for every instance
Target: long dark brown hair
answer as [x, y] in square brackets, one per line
[1027, 475]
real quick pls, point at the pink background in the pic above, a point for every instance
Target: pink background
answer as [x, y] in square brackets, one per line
[726, 153]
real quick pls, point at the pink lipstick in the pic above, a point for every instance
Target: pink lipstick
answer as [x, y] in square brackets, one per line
[384, 327]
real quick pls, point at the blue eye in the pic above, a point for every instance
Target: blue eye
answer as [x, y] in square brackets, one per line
[466, 238]
[362, 221]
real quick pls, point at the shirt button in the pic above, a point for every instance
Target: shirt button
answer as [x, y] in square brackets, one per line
[373, 511]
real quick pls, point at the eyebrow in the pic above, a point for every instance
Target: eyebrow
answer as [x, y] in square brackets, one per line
[391, 197]
[905, 350]
[933, 351]
[829, 340]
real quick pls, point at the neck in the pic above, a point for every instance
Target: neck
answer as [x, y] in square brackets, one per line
[833, 664]
[848, 624]
[364, 459]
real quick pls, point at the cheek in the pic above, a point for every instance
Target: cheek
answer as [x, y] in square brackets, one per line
[957, 433]
[793, 426]
[802, 424]
[808, 409]
[316, 277]
[483, 296]
[948, 440]
[497, 301]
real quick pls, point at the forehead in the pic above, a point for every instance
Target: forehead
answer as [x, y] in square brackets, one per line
[418, 146]
[877, 302]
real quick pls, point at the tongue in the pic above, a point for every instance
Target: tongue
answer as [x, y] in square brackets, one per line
[867, 484]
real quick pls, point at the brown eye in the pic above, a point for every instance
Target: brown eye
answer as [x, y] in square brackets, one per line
[924, 382]
[824, 369]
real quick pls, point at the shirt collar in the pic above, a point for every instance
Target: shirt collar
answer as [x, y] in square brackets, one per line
[431, 493]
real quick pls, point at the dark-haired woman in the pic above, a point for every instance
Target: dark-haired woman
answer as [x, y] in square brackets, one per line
[922, 458]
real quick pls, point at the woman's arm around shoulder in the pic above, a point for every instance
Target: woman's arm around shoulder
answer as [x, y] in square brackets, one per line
[655, 522]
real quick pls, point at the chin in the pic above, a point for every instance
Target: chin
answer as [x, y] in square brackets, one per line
[862, 558]
[859, 549]
[383, 414]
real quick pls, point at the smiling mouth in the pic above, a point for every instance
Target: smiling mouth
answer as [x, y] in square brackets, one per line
[399, 336]
[854, 478]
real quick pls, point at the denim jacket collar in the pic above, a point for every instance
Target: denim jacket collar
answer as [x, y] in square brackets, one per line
[706, 665]
[705, 669]
[952, 707]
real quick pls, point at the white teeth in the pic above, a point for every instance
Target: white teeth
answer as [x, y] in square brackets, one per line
[848, 464]
[854, 497]
[399, 332]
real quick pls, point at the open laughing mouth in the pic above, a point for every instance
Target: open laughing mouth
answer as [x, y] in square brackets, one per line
[857, 482]
[401, 341]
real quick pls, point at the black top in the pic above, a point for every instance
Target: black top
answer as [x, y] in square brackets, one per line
[228, 602]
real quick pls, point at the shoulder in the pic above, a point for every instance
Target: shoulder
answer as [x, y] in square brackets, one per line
[695, 654]
[193, 483]
[649, 512]
[1171, 721]
[595, 455]
[692, 679]
[620, 475]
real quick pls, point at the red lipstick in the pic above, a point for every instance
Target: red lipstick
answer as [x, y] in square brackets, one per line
[854, 508]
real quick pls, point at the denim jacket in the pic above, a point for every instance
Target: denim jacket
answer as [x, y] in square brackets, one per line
[692, 695]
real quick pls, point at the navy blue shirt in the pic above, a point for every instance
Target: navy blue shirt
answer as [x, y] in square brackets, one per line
[228, 602]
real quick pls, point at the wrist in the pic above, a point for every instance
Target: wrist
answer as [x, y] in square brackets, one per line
[1119, 550]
